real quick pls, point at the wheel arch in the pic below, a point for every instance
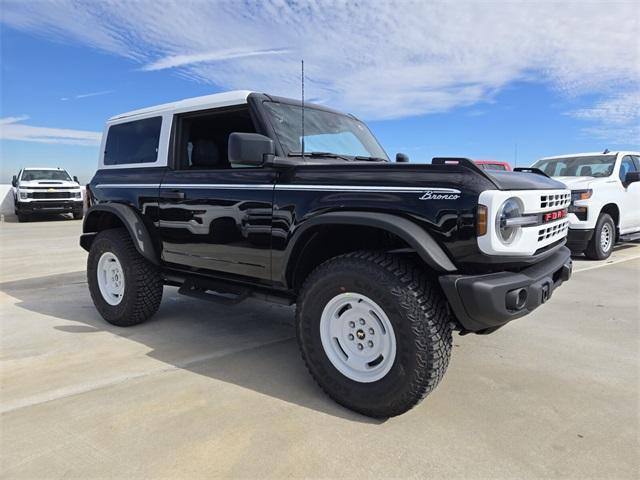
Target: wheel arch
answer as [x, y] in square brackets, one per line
[116, 215]
[613, 210]
[303, 255]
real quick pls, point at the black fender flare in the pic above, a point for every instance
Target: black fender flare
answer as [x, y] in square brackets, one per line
[129, 218]
[415, 236]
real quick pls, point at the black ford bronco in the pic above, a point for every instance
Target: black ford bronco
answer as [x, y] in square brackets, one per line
[242, 194]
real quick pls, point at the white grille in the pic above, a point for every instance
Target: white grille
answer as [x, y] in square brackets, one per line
[556, 231]
[559, 200]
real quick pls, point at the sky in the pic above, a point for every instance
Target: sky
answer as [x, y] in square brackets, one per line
[512, 81]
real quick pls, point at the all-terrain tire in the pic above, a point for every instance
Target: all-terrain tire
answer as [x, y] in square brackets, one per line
[142, 281]
[599, 248]
[417, 311]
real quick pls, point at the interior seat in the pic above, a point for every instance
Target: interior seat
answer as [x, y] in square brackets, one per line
[205, 154]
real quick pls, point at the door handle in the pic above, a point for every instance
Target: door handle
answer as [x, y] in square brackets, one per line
[173, 195]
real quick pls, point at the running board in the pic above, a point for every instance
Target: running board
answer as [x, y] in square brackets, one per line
[630, 237]
[222, 292]
[225, 297]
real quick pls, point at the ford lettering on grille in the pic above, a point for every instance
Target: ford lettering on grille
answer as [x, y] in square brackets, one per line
[553, 216]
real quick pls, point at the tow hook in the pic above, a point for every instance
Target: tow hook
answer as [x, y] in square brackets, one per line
[545, 290]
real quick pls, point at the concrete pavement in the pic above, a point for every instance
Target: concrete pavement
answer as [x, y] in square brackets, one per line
[206, 391]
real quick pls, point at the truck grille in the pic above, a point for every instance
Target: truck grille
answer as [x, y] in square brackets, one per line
[49, 195]
[559, 230]
[558, 200]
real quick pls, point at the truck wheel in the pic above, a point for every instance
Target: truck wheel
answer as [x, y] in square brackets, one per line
[604, 237]
[23, 217]
[374, 332]
[78, 215]
[125, 287]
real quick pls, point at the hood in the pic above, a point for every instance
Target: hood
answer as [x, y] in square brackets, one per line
[523, 181]
[48, 183]
[580, 183]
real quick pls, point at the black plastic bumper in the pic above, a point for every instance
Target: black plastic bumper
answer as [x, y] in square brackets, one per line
[577, 240]
[483, 303]
[54, 206]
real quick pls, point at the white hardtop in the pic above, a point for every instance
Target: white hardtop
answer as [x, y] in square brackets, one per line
[236, 97]
[591, 154]
[45, 168]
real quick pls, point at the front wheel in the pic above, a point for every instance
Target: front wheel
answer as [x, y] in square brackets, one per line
[604, 237]
[374, 332]
[125, 287]
[78, 214]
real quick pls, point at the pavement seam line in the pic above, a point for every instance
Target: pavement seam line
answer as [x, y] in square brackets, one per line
[71, 391]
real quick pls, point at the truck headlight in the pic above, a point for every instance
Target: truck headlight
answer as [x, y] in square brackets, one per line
[580, 195]
[77, 194]
[507, 231]
[24, 195]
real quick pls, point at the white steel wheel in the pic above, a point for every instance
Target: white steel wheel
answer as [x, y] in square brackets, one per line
[110, 278]
[357, 337]
[606, 237]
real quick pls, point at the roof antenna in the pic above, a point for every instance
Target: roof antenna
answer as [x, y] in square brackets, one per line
[302, 62]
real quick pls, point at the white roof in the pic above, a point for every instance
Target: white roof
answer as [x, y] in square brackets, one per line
[236, 97]
[43, 168]
[591, 154]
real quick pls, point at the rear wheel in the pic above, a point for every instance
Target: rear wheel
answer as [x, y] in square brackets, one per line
[374, 332]
[125, 287]
[604, 237]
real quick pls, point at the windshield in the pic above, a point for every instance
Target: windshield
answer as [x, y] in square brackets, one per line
[324, 132]
[591, 166]
[59, 175]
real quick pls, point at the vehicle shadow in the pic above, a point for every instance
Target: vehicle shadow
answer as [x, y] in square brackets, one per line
[251, 344]
[41, 217]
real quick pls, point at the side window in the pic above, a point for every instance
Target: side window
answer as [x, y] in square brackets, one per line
[203, 138]
[133, 142]
[626, 166]
[636, 160]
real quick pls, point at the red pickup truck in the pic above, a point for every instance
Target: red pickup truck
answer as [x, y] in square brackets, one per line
[493, 165]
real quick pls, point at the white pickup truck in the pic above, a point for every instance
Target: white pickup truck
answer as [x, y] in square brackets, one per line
[605, 198]
[46, 190]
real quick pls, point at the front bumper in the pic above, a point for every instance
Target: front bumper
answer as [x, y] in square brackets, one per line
[50, 206]
[482, 303]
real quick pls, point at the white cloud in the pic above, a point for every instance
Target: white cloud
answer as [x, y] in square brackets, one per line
[173, 61]
[87, 95]
[377, 59]
[12, 128]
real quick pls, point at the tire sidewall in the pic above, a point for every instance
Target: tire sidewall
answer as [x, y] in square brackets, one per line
[604, 219]
[375, 285]
[108, 242]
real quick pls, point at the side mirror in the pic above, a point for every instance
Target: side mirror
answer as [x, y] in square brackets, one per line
[14, 181]
[402, 158]
[249, 148]
[75, 179]
[631, 177]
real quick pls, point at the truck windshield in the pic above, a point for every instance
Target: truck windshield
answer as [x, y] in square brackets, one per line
[60, 175]
[324, 133]
[589, 166]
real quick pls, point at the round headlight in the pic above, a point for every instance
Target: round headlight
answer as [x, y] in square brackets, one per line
[511, 208]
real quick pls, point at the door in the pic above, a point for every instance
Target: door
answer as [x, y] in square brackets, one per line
[630, 202]
[215, 216]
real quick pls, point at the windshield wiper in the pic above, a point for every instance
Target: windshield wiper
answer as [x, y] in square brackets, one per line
[319, 154]
[370, 159]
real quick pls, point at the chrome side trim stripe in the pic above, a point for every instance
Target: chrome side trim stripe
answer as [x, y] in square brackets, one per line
[332, 188]
[128, 185]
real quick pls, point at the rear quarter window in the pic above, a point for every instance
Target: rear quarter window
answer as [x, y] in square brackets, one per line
[133, 142]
